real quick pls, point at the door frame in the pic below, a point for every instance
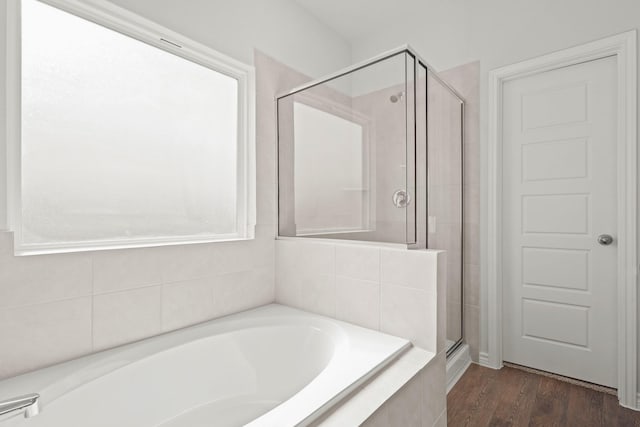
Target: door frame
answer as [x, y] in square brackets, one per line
[623, 46]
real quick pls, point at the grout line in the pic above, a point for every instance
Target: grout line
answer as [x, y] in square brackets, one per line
[135, 288]
[52, 301]
[93, 293]
[379, 289]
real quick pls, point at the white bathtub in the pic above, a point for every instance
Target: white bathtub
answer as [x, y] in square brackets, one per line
[272, 366]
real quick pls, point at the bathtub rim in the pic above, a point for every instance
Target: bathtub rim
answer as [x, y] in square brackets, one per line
[57, 380]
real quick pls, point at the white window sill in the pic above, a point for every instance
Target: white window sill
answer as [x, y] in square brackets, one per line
[27, 250]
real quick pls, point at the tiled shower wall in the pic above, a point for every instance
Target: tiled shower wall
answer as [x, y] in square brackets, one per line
[58, 307]
[397, 291]
[393, 290]
[419, 403]
[466, 80]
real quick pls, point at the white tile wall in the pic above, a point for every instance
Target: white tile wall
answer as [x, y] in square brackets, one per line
[38, 335]
[22, 278]
[187, 302]
[409, 313]
[393, 290]
[127, 269]
[389, 289]
[358, 301]
[126, 316]
[421, 402]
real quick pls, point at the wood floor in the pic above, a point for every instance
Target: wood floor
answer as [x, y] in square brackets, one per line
[511, 397]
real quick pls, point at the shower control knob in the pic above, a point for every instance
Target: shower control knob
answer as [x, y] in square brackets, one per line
[401, 199]
[605, 239]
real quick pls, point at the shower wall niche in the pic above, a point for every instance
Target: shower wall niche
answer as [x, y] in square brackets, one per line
[374, 153]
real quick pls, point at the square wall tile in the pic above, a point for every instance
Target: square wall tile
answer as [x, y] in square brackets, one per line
[358, 302]
[27, 280]
[358, 262]
[318, 294]
[443, 284]
[39, 335]
[188, 262]
[235, 292]
[288, 287]
[472, 244]
[472, 330]
[123, 317]
[380, 418]
[411, 268]
[434, 383]
[306, 257]
[117, 270]
[405, 407]
[186, 303]
[409, 313]
[442, 420]
[471, 278]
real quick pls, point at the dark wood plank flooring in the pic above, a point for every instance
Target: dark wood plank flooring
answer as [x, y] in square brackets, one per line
[511, 397]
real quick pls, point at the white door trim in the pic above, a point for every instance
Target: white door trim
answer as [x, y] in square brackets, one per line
[623, 46]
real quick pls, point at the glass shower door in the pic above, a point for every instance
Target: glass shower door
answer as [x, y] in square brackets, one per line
[347, 156]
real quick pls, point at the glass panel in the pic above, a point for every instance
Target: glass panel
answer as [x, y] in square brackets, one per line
[343, 155]
[444, 114]
[121, 140]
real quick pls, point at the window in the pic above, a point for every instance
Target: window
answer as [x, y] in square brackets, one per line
[127, 141]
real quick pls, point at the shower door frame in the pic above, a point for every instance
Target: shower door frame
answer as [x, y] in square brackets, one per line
[422, 219]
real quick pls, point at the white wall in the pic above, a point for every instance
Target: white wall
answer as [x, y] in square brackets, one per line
[279, 28]
[497, 32]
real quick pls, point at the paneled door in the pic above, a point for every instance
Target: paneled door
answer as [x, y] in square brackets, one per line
[559, 230]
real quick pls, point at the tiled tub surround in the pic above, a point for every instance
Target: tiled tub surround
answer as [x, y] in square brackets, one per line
[390, 289]
[419, 403]
[57, 307]
[271, 366]
[387, 288]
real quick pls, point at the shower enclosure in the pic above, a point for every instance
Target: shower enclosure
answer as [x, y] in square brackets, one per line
[374, 153]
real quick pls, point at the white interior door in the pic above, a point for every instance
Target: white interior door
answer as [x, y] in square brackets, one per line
[559, 196]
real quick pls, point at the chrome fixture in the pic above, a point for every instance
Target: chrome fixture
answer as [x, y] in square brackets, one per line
[401, 199]
[27, 404]
[605, 239]
[396, 97]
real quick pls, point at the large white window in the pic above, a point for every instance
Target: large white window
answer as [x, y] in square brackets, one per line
[126, 137]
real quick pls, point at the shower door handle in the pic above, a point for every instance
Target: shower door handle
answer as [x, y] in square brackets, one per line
[401, 199]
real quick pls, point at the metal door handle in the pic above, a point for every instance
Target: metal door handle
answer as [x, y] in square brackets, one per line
[401, 198]
[605, 239]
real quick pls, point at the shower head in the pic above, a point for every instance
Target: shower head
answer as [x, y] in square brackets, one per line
[396, 97]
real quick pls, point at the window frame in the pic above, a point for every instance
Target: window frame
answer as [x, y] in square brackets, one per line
[141, 29]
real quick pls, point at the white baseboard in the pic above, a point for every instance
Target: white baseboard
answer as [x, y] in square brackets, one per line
[457, 365]
[484, 360]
